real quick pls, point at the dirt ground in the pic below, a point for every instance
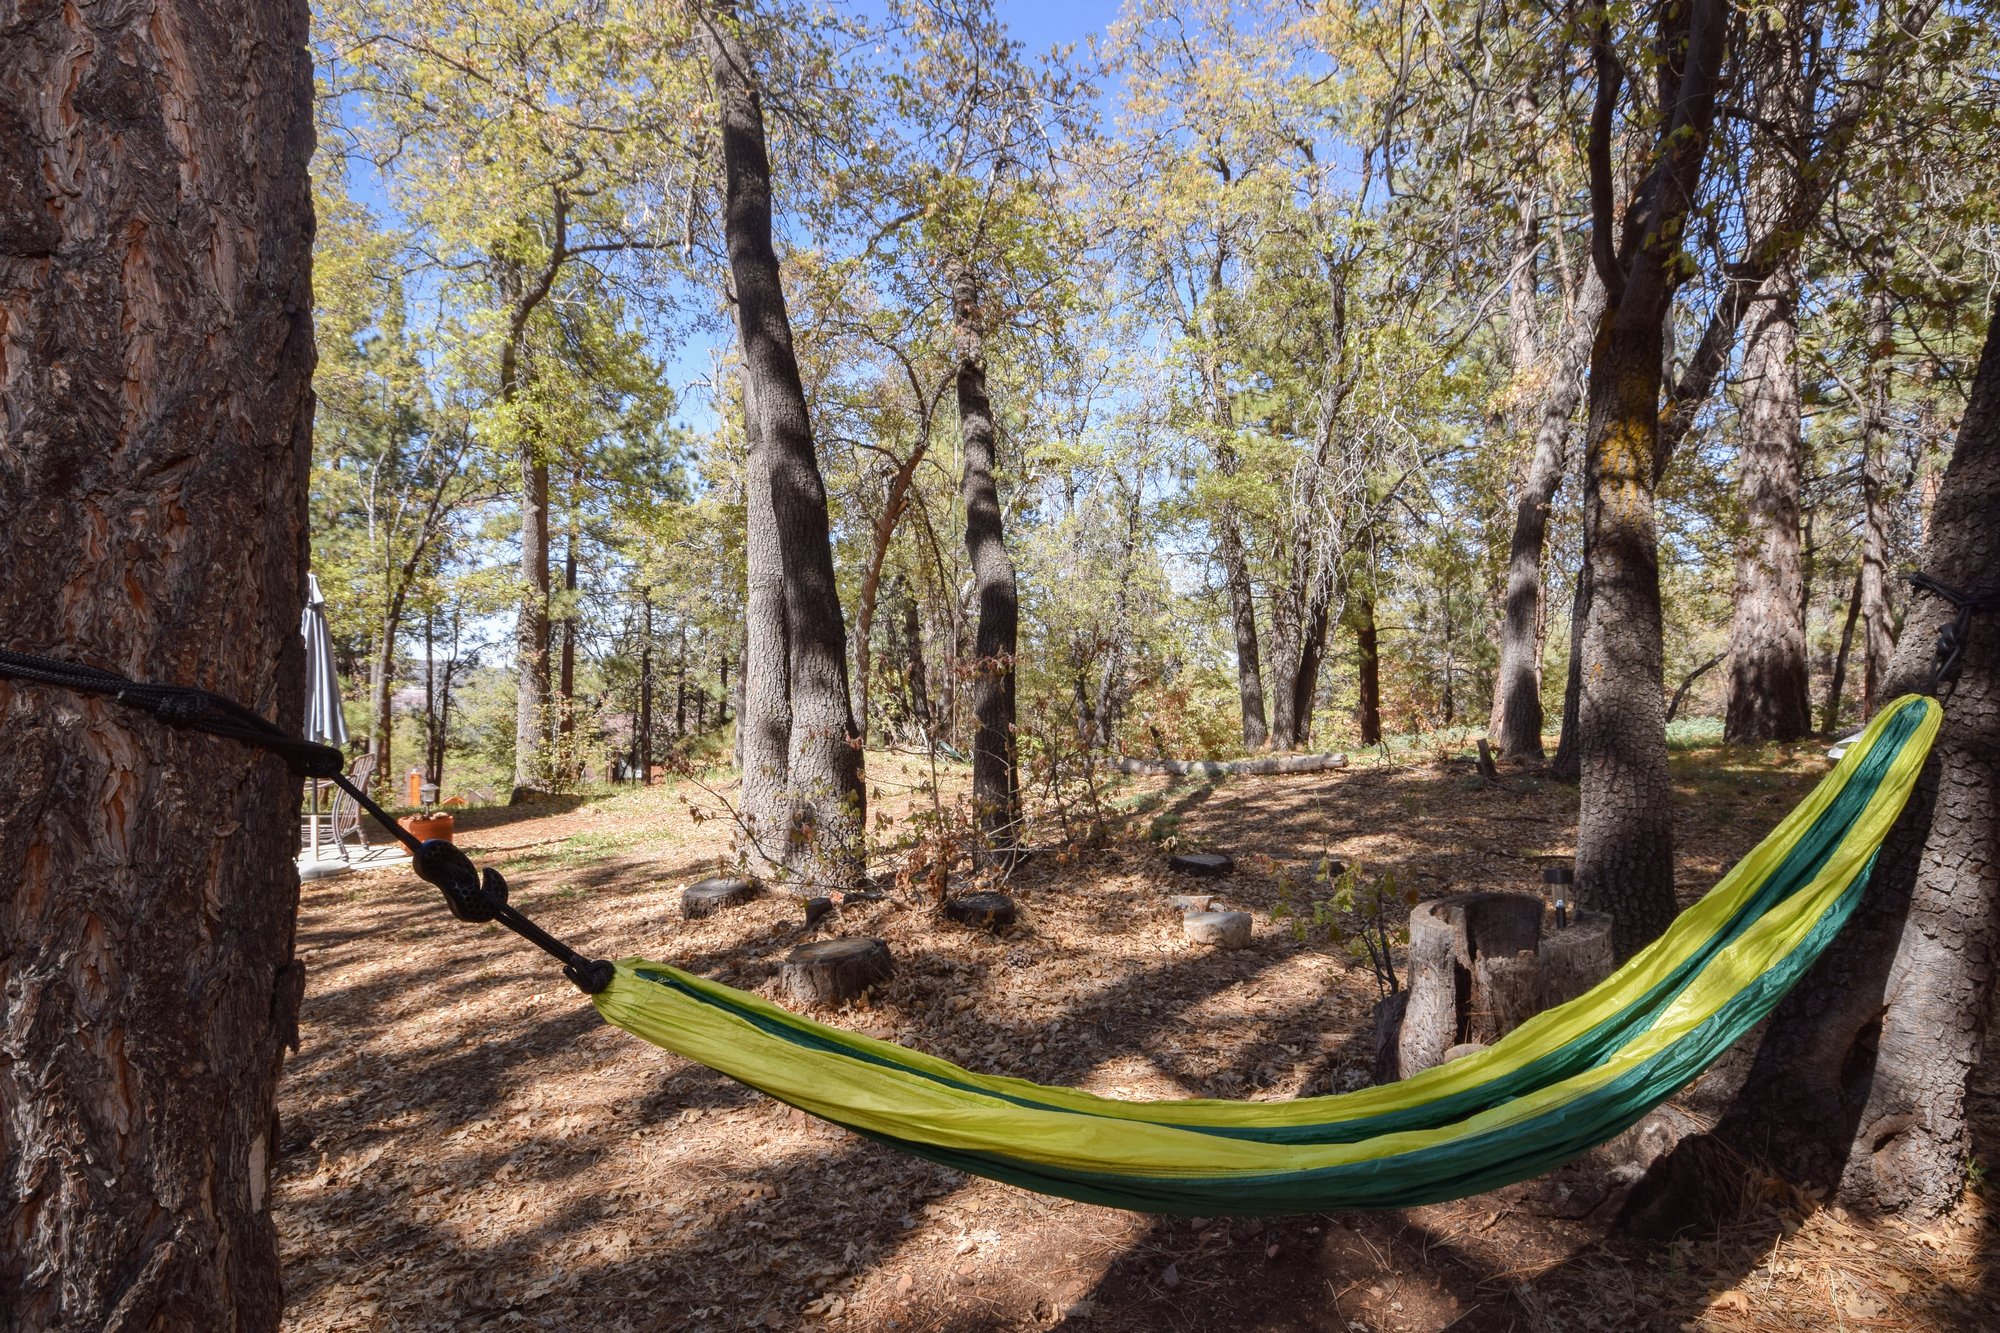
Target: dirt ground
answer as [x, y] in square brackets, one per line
[466, 1146]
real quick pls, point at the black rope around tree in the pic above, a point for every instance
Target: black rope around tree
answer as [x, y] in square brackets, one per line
[470, 894]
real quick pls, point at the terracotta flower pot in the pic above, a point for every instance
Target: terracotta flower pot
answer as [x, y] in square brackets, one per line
[423, 830]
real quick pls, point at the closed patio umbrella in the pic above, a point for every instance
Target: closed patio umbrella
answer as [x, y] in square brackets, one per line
[324, 721]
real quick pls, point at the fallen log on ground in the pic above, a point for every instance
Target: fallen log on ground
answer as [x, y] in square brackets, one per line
[1224, 768]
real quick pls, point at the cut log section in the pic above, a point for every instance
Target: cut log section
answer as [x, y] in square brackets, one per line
[833, 972]
[1481, 965]
[1224, 768]
[709, 896]
[1205, 865]
[981, 911]
[1225, 930]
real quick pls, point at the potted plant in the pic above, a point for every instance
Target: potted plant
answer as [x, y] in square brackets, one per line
[428, 823]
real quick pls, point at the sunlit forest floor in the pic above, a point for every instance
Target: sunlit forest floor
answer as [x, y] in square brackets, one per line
[466, 1146]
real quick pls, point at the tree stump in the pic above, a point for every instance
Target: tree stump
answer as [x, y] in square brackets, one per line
[1575, 959]
[1481, 965]
[1225, 930]
[981, 911]
[833, 972]
[709, 896]
[1203, 865]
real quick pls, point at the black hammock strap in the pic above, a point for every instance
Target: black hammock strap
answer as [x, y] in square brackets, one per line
[470, 894]
[1952, 634]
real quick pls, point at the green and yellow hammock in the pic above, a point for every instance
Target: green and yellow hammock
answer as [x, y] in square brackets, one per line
[1566, 1080]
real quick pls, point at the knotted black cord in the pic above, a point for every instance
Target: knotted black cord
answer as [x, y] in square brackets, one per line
[471, 895]
[1952, 634]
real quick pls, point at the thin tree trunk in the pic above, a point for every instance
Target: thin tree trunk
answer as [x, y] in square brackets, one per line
[1304, 684]
[1516, 724]
[827, 796]
[681, 686]
[1567, 766]
[894, 502]
[996, 788]
[566, 671]
[1877, 640]
[531, 631]
[381, 686]
[1830, 719]
[643, 755]
[1243, 621]
[1368, 673]
[155, 251]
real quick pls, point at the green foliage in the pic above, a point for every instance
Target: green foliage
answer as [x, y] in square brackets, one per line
[1350, 911]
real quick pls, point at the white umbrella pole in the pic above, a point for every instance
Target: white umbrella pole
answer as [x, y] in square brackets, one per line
[315, 817]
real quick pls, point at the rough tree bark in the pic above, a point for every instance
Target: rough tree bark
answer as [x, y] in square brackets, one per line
[825, 796]
[531, 617]
[1768, 681]
[1624, 838]
[1368, 656]
[1516, 724]
[1860, 1082]
[155, 364]
[996, 794]
[1877, 639]
[764, 719]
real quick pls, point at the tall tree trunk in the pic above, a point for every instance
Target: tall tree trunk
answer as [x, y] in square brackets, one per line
[1243, 621]
[155, 250]
[996, 789]
[531, 631]
[1567, 765]
[826, 793]
[1768, 680]
[566, 670]
[764, 715]
[894, 502]
[381, 688]
[1516, 724]
[1830, 718]
[643, 751]
[1304, 684]
[1625, 832]
[1877, 640]
[1861, 1080]
[1368, 672]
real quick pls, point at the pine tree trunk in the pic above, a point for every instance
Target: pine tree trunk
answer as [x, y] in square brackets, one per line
[1567, 765]
[1768, 681]
[823, 761]
[1516, 724]
[643, 751]
[1866, 1062]
[996, 794]
[1877, 639]
[155, 250]
[531, 632]
[1243, 621]
[1830, 718]
[381, 733]
[1368, 656]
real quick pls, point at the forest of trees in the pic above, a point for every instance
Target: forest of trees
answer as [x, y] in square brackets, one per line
[1258, 376]
[1255, 376]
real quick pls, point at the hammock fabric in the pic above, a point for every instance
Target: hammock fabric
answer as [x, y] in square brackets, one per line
[1566, 1080]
